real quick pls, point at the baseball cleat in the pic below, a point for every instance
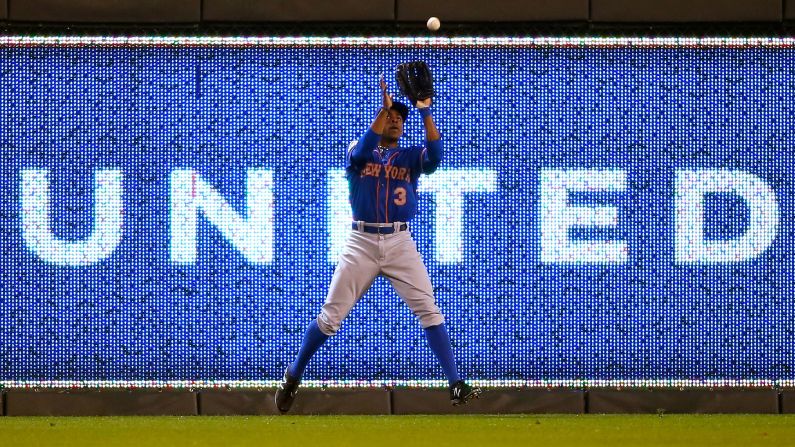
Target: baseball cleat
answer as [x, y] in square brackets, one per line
[285, 393]
[461, 393]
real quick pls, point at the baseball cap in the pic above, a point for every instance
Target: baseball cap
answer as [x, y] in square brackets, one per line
[401, 108]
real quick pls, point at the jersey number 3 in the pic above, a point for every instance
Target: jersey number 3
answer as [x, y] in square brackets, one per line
[400, 196]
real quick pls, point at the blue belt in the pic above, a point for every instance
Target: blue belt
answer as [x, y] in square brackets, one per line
[380, 230]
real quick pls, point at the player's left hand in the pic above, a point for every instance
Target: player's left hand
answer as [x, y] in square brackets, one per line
[423, 103]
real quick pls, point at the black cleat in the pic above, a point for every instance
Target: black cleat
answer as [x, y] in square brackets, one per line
[461, 393]
[285, 394]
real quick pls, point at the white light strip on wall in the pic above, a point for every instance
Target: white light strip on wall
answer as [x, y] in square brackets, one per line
[215, 384]
[396, 42]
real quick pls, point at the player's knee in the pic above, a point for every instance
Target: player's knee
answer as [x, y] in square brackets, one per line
[327, 325]
[431, 319]
[428, 313]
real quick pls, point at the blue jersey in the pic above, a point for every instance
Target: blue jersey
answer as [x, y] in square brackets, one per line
[383, 187]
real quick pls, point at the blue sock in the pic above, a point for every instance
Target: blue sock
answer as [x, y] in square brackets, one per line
[313, 340]
[439, 341]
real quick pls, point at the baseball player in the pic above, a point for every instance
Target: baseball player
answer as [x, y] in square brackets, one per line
[383, 179]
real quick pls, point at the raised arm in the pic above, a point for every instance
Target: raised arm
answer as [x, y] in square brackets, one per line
[431, 132]
[370, 139]
[432, 156]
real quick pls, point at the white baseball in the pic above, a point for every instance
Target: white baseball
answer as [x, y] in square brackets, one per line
[434, 24]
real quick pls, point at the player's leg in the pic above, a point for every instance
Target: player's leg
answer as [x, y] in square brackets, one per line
[404, 267]
[313, 339]
[355, 272]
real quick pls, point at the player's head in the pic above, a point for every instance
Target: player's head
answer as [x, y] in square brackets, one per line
[401, 108]
[394, 123]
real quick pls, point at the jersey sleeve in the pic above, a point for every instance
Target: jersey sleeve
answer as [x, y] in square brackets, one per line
[359, 151]
[427, 159]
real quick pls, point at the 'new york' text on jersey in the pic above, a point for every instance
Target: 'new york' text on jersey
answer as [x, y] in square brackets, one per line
[383, 187]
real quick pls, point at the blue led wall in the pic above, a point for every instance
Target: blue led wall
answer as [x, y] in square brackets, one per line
[601, 214]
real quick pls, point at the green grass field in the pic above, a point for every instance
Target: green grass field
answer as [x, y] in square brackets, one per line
[403, 431]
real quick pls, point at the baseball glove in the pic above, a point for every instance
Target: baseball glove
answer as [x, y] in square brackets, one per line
[415, 81]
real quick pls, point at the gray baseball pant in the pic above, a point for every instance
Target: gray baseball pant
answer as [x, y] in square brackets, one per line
[366, 256]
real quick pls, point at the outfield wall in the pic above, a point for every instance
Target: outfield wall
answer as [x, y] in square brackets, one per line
[609, 212]
[398, 401]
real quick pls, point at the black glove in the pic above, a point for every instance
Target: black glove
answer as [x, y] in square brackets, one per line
[415, 81]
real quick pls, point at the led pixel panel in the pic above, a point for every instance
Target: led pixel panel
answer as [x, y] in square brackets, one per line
[607, 211]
